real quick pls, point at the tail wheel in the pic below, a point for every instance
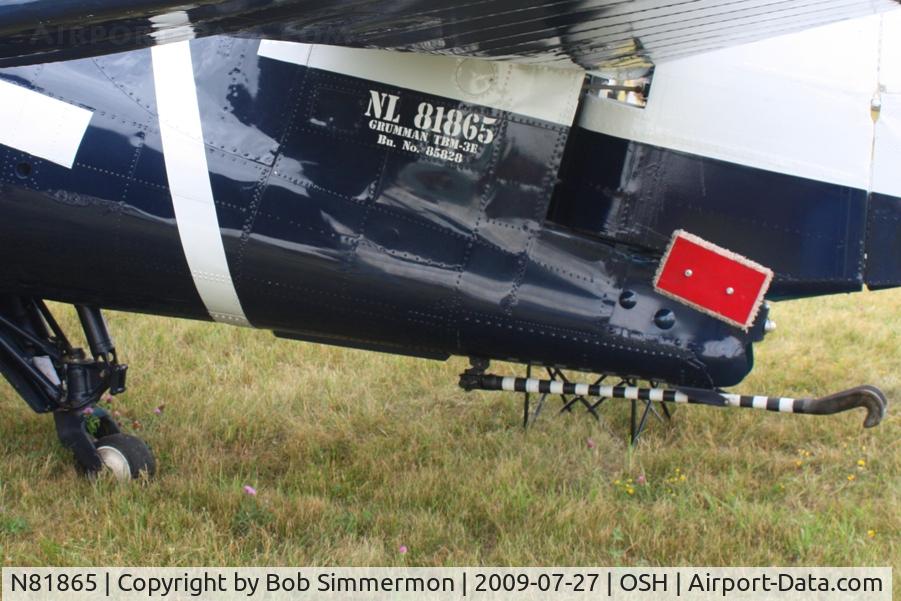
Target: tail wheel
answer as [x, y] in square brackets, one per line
[126, 456]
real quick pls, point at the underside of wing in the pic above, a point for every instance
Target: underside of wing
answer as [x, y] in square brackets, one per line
[592, 34]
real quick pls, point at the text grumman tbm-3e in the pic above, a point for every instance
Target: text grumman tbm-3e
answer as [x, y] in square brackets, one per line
[614, 187]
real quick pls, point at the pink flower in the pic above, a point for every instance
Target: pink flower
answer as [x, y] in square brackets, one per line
[158, 410]
[402, 549]
[250, 490]
[88, 411]
[591, 443]
[106, 397]
[641, 480]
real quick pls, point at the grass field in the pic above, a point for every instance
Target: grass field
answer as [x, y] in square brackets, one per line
[356, 454]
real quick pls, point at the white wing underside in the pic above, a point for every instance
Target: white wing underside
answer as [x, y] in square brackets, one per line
[798, 104]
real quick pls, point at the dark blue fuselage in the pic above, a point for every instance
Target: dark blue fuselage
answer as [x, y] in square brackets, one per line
[333, 237]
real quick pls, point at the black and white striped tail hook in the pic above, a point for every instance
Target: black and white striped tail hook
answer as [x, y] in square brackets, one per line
[868, 397]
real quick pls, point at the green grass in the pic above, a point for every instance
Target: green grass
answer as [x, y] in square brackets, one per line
[355, 454]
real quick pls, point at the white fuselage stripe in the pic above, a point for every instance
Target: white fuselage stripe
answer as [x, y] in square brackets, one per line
[40, 125]
[189, 182]
[549, 94]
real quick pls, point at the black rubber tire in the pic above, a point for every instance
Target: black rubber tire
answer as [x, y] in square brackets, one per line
[134, 450]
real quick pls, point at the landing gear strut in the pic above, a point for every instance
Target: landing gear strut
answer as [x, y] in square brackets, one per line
[52, 376]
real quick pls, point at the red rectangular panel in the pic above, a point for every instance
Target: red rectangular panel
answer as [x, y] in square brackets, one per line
[712, 279]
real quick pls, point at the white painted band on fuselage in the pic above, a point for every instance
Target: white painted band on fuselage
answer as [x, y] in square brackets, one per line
[172, 27]
[549, 94]
[189, 182]
[40, 125]
[796, 104]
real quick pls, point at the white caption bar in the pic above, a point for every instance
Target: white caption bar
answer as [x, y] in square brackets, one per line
[447, 584]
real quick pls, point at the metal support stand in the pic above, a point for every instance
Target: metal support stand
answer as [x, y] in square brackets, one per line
[591, 408]
[578, 396]
[637, 424]
[646, 407]
[569, 401]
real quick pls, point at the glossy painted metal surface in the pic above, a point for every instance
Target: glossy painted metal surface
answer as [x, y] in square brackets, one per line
[112, 210]
[884, 242]
[589, 33]
[811, 233]
[333, 237]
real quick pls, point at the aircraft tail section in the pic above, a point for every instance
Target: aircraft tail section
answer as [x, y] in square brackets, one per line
[819, 238]
[785, 151]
